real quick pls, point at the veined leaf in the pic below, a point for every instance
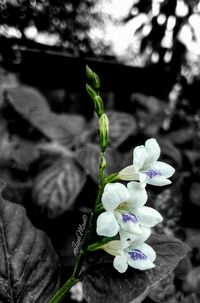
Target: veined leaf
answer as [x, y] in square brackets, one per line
[29, 270]
[102, 283]
[57, 187]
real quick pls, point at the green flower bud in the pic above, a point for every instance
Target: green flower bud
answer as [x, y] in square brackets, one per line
[89, 73]
[98, 105]
[92, 76]
[103, 131]
[91, 92]
[95, 81]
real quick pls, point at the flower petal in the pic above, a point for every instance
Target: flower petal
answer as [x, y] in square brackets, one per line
[147, 250]
[114, 247]
[163, 168]
[153, 178]
[157, 174]
[129, 173]
[137, 195]
[153, 151]
[126, 237]
[139, 156]
[137, 259]
[114, 194]
[147, 216]
[120, 263]
[128, 222]
[107, 224]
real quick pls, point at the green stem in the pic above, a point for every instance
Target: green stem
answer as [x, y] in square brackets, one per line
[69, 283]
[65, 288]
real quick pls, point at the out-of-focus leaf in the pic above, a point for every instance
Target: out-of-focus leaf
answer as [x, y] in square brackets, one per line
[171, 154]
[191, 298]
[169, 204]
[182, 136]
[149, 113]
[27, 101]
[16, 152]
[33, 107]
[183, 268]
[16, 189]
[163, 291]
[125, 287]
[193, 240]
[121, 126]
[194, 193]
[88, 157]
[7, 80]
[192, 282]
[57, 187]
[29, 270]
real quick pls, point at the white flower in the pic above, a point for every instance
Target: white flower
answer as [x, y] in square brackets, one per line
[125, 212]
[138, 255]
[77, 292]
[145, 166]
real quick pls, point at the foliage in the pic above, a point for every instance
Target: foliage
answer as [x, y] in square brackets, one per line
[27, 258]
[33, 152]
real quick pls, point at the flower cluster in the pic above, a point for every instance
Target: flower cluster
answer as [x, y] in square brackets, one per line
[125, 214]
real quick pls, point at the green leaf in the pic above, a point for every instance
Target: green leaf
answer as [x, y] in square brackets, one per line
[57, 187]
[29, 269]
[102, 283]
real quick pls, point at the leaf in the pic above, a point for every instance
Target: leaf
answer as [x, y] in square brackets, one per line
[57, 187]
[16, 152]
[121, 126]
[163, 291]
[27, 101]
[29, 270]
[192, 282]
[17, 188]
[33, 107]
[102, 283]
[88, 157]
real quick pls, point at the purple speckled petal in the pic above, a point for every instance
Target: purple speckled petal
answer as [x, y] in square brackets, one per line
[136, 254]
[129, 217]
[140, 256]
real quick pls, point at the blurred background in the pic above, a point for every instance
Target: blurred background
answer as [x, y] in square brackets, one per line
[147, 55]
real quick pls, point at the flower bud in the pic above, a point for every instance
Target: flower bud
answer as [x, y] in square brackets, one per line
[89, 73]
[98, 105]
[95, 81]
[92, 76]
[91, 92]
[103, 131]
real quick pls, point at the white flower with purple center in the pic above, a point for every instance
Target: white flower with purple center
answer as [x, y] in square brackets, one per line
[125, 212]
[146, 168]
[137, 255]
